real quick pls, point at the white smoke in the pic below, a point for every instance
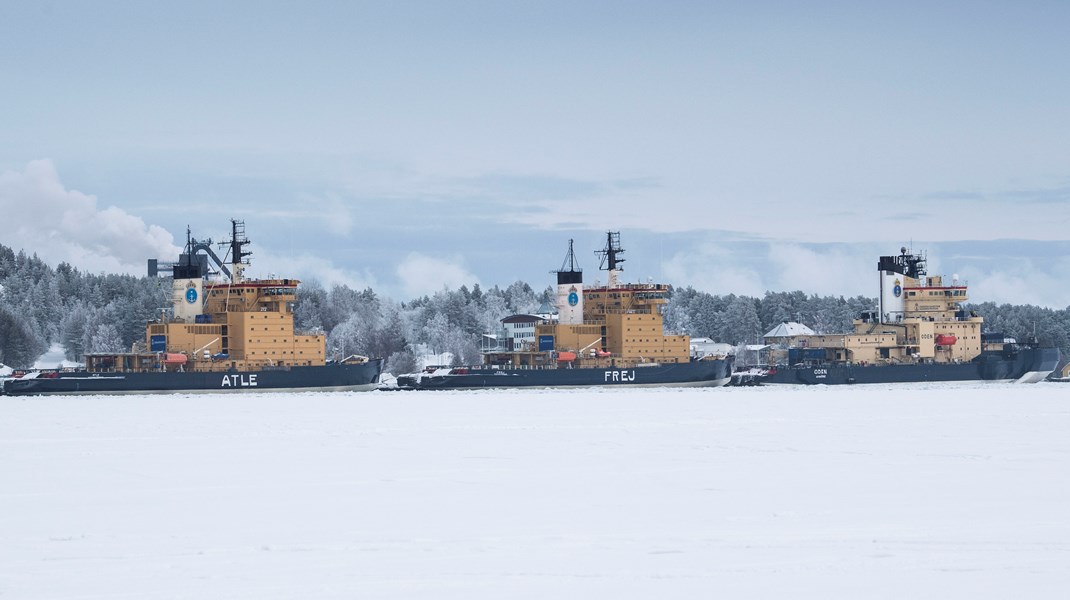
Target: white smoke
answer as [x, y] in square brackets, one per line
[42, 216]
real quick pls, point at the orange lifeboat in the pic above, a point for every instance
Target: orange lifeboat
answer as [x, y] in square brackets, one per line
[946, 340]
[566, 356]
[174, 359]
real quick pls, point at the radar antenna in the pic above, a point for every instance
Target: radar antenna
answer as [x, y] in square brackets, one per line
[237, 255]
[914, 263]
[907, 263]
[609, 254]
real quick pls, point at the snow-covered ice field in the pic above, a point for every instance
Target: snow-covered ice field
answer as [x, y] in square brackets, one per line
[907, 491]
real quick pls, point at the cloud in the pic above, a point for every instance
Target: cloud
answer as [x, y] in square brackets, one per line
[550, 202]
[953, 195]
[331, 209]
[308, 267]
[714, 269]
[751, 268]
[42, 216]
[1058, 195]
[1026, 283]
[1037, 195]
[1007, 271]
[526, 188]
[849, 270]
[421, 274]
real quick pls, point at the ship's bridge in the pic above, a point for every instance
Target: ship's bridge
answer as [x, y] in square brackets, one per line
[626, 298]
[954, 291]
[930, 298]
[273, 295]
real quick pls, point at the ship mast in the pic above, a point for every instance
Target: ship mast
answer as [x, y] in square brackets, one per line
[610, 256]
[238, 260]
[569, 266]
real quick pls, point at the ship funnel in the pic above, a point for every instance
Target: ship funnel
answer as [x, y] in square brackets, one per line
[570, 290]
[896, 272]
[187, 298]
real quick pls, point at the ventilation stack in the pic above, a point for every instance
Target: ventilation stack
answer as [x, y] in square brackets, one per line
[570, 290]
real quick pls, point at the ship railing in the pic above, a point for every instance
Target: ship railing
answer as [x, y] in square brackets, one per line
[509, 367]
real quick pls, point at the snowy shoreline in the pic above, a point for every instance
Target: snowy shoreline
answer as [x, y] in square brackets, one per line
[922, 490]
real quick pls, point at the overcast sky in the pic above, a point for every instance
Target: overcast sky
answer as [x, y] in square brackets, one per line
[738, 146]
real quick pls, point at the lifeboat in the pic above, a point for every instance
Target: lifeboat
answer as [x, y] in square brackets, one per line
[174, 359]
[946, 340]
[566, 356]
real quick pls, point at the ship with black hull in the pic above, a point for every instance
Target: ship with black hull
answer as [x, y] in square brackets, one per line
[697, 373]
[230, 335]
[611, 335]
[920, 333]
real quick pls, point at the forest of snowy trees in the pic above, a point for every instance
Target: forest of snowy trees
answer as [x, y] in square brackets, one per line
[83, 312]
[41, 305]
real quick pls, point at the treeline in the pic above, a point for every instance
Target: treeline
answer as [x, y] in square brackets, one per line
[744, 319]
[1051, 327]
[83, 312]
[41, 306]
[448, 323]
[737, 319]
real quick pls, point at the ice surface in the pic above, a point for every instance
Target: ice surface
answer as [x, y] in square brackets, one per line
[908, 491]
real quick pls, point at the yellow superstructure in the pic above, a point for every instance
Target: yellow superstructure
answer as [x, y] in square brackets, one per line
[920, 319]
[622, 324]
[242, 325]
[626, 320]
[232, 324]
